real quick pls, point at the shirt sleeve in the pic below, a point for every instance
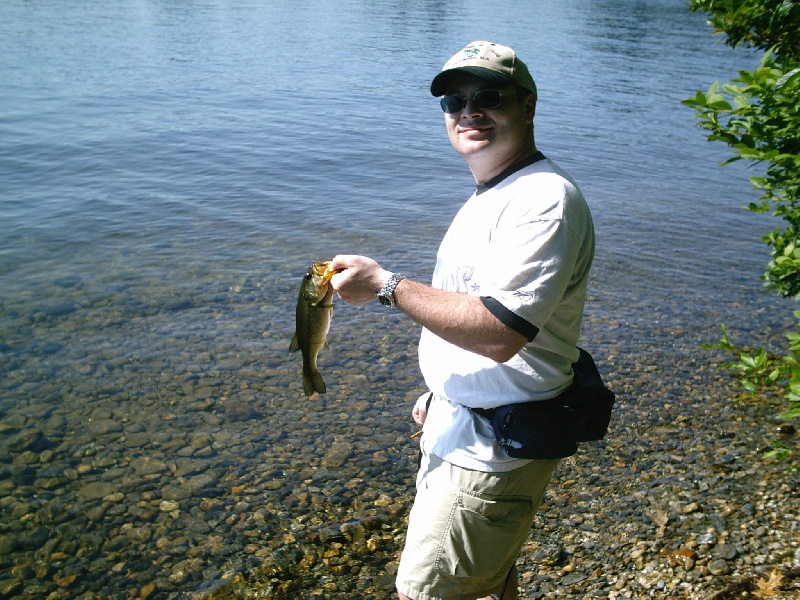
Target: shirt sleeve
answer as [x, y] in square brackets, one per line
[529, 270]
[510, 319]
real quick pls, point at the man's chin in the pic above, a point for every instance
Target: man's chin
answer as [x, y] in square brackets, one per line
[470, 146]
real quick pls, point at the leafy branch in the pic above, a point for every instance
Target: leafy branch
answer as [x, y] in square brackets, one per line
[758, 116]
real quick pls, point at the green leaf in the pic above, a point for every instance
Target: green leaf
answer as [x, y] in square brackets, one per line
[787, 78]
[778, 454]
[720, 105]
[790, 414]
[747, 360]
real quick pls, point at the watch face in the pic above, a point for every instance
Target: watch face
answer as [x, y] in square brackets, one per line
[386, 293]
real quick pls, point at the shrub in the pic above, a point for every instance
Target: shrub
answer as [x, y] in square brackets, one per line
[758, 116]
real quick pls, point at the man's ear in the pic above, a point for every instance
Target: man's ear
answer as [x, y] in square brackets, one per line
[530, 106]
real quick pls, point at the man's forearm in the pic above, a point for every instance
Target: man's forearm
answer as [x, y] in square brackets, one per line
[458, 318]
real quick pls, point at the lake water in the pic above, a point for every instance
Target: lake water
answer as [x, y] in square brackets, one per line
[169, 169]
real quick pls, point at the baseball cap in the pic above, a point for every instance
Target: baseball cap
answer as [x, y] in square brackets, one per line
[489, 61]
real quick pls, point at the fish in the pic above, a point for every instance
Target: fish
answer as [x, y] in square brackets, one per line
[314, 314]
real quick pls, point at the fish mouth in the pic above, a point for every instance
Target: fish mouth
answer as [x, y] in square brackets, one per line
[323, 269]
[328, 273]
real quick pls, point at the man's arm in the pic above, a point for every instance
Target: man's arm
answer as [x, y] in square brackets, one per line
[458, 318]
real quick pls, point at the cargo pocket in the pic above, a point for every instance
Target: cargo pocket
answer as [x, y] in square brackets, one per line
[484, 535]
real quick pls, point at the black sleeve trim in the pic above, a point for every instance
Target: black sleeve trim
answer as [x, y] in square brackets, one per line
[515, 322]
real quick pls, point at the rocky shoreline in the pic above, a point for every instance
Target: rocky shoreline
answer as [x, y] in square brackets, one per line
[675, 503]
[161, 468]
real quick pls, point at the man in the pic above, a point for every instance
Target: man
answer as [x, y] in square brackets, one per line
[500, 326]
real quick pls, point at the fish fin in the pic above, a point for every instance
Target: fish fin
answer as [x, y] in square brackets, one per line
[312, 382]
[295, 345]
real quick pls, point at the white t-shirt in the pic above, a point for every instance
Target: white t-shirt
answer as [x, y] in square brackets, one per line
[525, 245]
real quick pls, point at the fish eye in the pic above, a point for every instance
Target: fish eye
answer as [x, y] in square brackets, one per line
[308, 275]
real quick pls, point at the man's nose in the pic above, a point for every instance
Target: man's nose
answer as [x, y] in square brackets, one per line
[470, 108]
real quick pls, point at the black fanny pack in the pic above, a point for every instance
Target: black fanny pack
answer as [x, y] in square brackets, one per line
[553, 428]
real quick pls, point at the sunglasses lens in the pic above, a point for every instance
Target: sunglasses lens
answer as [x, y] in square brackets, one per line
[487, 99]
[452, 104]
[482, 100]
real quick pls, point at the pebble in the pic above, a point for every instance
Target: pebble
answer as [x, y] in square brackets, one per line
[718, 567]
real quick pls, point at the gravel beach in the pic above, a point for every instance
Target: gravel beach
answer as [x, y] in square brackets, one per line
[677, 502]
[131, 471]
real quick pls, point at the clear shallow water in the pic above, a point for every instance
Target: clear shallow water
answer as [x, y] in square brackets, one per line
[145, 134]
[168, 170]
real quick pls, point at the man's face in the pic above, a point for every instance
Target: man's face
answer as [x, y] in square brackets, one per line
[495, 134]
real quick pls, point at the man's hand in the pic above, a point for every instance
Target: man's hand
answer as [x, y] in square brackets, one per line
[420, 412]
[359, 278]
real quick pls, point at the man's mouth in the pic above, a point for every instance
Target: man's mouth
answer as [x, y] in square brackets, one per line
[473, 129]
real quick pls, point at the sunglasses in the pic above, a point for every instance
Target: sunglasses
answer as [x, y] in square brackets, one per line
[482, 100]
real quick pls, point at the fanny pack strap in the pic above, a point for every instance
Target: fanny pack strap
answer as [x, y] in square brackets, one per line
[486, 413]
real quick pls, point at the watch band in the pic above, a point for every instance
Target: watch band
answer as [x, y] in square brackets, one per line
[386, 293]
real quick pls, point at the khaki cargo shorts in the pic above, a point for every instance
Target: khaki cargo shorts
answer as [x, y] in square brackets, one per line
[466, 528]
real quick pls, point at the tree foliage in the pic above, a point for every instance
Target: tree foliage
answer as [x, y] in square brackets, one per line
[766, 24]
[758, 116]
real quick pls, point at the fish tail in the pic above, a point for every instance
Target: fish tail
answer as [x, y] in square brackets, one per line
[312, 382]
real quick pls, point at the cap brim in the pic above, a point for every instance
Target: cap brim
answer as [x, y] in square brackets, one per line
[442, 80]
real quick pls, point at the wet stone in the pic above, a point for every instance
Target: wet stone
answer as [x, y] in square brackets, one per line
[168, 505]
[337, 455]
[242, 413]
[197, 483]
[546, 554]
[724, 551]
[146, 465]
[103, 426]
[138, 439]
[96, 490]
[31, 441]
[718, 567]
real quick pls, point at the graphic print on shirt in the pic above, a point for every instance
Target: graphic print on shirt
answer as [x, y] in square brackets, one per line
[462, 280]
[453, 278]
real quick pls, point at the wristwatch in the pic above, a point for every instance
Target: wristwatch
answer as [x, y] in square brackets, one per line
[386, 293]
